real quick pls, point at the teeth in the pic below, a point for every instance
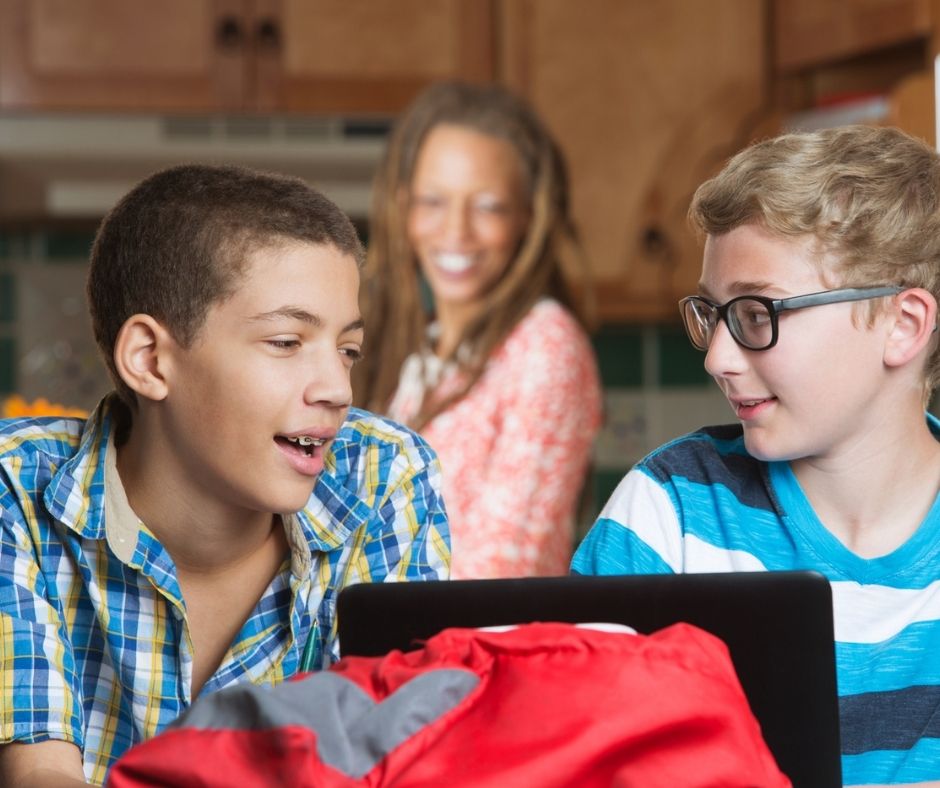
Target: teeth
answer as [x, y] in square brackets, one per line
[454, 263]
[306, 440]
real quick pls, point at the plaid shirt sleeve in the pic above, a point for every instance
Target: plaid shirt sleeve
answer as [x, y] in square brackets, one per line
[413, 542]
[393, 479]
[40, 691]
[398, 476]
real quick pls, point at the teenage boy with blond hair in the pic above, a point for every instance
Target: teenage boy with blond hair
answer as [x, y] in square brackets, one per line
[817, 310]
[195, 531]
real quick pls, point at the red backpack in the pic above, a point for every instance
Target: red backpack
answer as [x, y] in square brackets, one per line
[538, 705]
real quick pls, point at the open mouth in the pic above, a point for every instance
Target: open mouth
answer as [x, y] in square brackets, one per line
[303, 444]
[454, 263]
[748, 408]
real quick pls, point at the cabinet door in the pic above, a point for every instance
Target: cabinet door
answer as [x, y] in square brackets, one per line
[171, 55]
[647, 100]
[810, 32]
[369, 56]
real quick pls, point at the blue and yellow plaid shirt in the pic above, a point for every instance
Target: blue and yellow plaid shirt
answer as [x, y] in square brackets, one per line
[94, 644]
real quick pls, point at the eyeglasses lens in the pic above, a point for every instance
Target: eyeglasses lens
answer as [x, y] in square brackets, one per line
[700, 319]
[750, 323]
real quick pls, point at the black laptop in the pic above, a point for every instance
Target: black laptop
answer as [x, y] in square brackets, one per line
[777, 626]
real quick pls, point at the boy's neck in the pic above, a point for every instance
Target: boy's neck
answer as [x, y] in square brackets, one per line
[201, 534]
[873, 498]
[225, 558]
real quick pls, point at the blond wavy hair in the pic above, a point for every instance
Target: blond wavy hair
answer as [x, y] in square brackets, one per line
[869, 196]
[548, 261]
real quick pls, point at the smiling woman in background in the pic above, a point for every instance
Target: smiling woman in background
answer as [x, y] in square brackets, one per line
[473, 338]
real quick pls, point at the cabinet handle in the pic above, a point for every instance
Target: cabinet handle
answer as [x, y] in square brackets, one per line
[228, 33]
[268, 34]
[656, 244]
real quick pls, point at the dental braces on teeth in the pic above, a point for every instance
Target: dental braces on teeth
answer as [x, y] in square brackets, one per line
[306, 440]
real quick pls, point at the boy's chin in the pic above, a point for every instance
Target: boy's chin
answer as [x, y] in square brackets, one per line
[764, 450]
[293, 501]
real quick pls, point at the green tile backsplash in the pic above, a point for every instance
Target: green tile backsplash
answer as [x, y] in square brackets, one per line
[66, 245]
[680, 364]
[620, 355]
[7, 299]
[13, 244]
[7, 365]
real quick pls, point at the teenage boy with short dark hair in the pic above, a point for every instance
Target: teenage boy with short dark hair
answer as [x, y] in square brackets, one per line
[196, 530]
[817, 309]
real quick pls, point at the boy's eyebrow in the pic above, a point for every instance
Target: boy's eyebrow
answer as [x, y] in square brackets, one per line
[356, 325]
[739, 287]
[299, 313]
[291, 312]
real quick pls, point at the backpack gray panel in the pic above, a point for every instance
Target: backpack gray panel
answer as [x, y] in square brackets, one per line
[353, 732]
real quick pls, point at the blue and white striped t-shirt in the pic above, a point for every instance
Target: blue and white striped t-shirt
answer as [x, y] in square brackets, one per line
[702, 504]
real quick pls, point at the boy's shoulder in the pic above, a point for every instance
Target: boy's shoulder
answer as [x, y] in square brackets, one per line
[38, 455]
[368, 435]
[710, 455]
[54, 437]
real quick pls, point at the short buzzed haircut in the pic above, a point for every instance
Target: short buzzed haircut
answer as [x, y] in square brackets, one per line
[180, 240]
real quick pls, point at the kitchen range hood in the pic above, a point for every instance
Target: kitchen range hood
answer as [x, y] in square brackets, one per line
[77, 166]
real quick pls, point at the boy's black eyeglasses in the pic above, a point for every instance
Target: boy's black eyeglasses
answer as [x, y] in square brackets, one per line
[752, 320]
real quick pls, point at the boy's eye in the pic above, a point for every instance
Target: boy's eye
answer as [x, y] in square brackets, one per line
[352, 353]
[755, 315]
[283, 344]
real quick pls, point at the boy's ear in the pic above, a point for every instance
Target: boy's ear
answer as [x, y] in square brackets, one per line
[915, 321]
[137, 353]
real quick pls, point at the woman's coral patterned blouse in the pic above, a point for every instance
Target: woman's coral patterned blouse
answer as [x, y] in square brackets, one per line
[515, 449]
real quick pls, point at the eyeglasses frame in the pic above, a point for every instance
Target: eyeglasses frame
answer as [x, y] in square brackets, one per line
[775, 306]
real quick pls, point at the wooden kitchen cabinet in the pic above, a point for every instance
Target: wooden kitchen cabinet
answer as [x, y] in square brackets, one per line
[370, 55]
[829, 52]
[350, 56]
[811, 32]
[856, 61]
[647, 100]
[118, 54]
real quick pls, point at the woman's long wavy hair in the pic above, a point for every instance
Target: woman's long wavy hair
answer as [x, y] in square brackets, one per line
[548, 261]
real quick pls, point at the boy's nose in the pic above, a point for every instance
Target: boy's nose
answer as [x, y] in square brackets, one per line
[329, 383]
[724, 356]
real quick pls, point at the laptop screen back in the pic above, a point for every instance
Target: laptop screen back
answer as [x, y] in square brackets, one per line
[777, 626]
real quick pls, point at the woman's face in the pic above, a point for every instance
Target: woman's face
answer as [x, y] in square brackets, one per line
[467, 213]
